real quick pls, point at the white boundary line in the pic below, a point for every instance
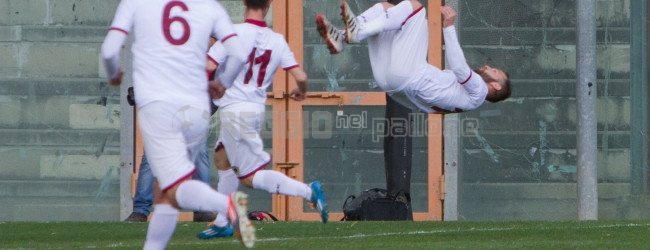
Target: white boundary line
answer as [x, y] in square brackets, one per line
[200, 242]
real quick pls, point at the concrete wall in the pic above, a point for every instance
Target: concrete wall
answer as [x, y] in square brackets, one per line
[531, 138]
[59, 118]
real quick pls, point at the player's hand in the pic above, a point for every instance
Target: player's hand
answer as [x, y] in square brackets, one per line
[117, 80]
[216, 89]
[298, 94]
[448, 16]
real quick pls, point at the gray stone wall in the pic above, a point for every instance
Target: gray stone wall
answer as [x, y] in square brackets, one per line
[60, 120]
[531, 138]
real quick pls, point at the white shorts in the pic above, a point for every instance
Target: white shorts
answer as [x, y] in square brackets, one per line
[240, 136]
[396, 55]
[172, 136]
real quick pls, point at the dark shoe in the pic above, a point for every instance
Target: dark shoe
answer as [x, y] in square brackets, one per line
[136, 217]
[204, 216]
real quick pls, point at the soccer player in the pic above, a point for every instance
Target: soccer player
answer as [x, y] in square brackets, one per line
[397, 38]
[239, 152]
[170, 42]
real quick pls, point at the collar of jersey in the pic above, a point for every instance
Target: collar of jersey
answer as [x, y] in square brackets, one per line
[256, 22]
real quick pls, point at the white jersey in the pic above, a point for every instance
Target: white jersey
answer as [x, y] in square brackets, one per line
[406, 73]
[170, 41]
[268, 51]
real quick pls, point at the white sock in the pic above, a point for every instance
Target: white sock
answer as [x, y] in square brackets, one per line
[371, 13]
[392, 20]
[199, 196]
[372, 27]
[161, 227]
[277, 183]
[228, 183]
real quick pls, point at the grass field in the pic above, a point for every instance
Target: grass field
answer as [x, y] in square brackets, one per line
[342, 235]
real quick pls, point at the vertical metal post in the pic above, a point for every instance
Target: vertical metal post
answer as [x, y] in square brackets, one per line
[451, 138]
[638, 97]
[586, 104]
[127, 134]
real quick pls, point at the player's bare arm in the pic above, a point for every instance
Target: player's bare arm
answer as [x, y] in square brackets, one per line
[448, 16]
[117, 80]
[299, 93]
[216, 89]
[110, 55]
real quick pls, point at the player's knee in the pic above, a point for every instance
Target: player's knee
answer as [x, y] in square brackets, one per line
[221, 159]
[248, 181]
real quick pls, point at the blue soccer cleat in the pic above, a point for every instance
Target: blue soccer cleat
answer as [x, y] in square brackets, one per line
[318, 200]
[216, 232]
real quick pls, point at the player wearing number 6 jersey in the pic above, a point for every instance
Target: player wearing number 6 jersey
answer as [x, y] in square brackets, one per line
[241, 111]
[170, 41]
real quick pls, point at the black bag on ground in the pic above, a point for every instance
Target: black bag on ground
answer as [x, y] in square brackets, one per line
[375, 204]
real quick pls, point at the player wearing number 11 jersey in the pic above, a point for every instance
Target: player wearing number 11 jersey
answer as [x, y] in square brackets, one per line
[170, 38]
[241, 111]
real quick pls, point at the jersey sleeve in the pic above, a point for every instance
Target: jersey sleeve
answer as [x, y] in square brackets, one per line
[224, 29]
[120, 27]
[217, 53]
[471, 82]
[124, 16]
[288, 60]
[235, 56]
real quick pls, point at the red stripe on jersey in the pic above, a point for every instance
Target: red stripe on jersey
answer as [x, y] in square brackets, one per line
[438, 109]
[180, 180]
[441, 110]
[469, 77]
[212, 60]
[118, 29]
[219, 146]
[256, 22]
[291, 67]
[227, 37]
[412, 14]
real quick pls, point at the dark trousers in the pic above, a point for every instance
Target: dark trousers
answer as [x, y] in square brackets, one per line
[398, 148]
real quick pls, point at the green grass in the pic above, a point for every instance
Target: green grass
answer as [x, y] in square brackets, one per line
[342, 235]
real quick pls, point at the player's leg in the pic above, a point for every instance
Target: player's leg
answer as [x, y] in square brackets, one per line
[227, 184]
[393, 19]
[143, 199]
[163, 221]
[246, 154]
[276, 182]
[171, 163]
[202, 163]
[410, 46]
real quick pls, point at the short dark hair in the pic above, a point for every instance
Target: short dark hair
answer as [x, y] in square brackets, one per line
[257, 4]
[503, 93]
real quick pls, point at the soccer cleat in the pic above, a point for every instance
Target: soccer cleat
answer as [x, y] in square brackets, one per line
[136, 217]
[318, 200]
[238, 217]
[332, 35]
[215, 232]
[351, 25]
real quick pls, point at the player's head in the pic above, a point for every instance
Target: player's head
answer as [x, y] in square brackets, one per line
[498, 82]
[257, 4]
